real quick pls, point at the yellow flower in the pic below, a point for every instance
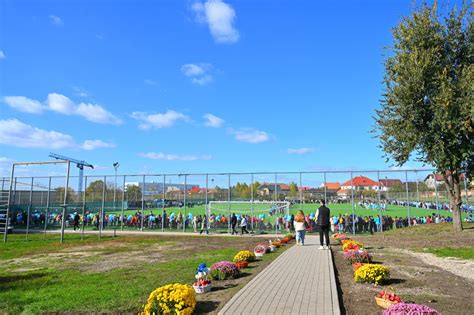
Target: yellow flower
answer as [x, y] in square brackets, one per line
[244, 255]
[172, 298]
[372, 273]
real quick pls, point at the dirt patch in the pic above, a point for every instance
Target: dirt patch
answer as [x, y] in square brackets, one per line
[459, 267]
[442, 283]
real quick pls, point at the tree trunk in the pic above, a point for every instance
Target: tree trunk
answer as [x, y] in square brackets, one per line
[454, 192]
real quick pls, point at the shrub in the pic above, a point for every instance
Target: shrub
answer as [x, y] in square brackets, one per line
[224, 270]
[404, 308]
[277, 244]
[372, 273]
[173, 298]
[245, 255]
[357, 256]
[350, 244]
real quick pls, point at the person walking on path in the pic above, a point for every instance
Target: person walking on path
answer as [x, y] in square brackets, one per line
[204, 225]
[300, 225]
[243, 225]
[76, 221]
[233, 223]
[323, 215]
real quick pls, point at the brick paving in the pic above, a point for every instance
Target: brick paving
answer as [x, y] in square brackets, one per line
[299, 281]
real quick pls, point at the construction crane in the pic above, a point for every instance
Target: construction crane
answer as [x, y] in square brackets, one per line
[80, 165]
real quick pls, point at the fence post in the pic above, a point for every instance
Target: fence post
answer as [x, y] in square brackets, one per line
[436, 193]
[228, 204]
[29, 208]
[163, 205]
[123, 203]
[83, 207]
[66, 188]
[143, 204]
[48, 198]
[251, 200]
[407, 197]
[184, 199]
[352, 201]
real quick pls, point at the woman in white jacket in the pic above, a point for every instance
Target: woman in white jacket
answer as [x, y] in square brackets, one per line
[300, 227]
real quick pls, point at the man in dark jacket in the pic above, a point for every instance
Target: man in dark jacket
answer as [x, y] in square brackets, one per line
[323, 215]
[233, 223]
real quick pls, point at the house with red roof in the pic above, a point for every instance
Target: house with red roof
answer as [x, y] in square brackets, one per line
[362, 183]
[331, 186]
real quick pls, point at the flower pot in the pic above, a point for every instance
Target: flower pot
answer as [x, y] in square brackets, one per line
[258, 254]
[384, 303]
[202, 288]
[357, 266]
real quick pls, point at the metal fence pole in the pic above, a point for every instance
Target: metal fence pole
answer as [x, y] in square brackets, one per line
[5, 232]
[228, 205]
[407, 197]
[66, 188]
[143, 204]
[436, 193]
[325, 189]
[466, 191]
[29, 208]
[163, 205]
[184, 199]
[380, 202]
[123, 203]
[352, 201]
[276, 190]
[101, 212]
[301, 191]
[48, 198]
[206, 209]
[251, 200]
[83, 208]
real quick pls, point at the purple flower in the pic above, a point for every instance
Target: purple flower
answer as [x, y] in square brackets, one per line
[224, 270]
[410, 309]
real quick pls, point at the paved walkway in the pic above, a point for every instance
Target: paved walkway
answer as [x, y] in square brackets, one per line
[299, 281]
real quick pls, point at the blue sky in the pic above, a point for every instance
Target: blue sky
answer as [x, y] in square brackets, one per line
[194, 86]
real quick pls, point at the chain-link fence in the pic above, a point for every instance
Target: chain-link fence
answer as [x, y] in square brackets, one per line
[360, 201]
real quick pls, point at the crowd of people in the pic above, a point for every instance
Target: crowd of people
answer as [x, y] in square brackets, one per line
[274, 220]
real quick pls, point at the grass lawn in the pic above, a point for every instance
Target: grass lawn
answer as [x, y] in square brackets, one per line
[462, 253]
[112, 275]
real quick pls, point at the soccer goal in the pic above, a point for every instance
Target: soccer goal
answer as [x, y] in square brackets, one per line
[264, 215]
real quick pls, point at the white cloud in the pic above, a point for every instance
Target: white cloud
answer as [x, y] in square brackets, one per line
[219, 16]
[301, 151]
[96, 144]
[174, 157]
[97, 114]
[198, 73]
[2, 55]
[24, 104]
[212, 121]
[80, 91]
[18, 134]
[63, 105]
[250, 135]
[193, 70]
[56, 20]
[159, 120]
[202, 80]
[151, 82]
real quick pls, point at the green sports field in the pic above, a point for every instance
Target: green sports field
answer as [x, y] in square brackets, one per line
[245, 208]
